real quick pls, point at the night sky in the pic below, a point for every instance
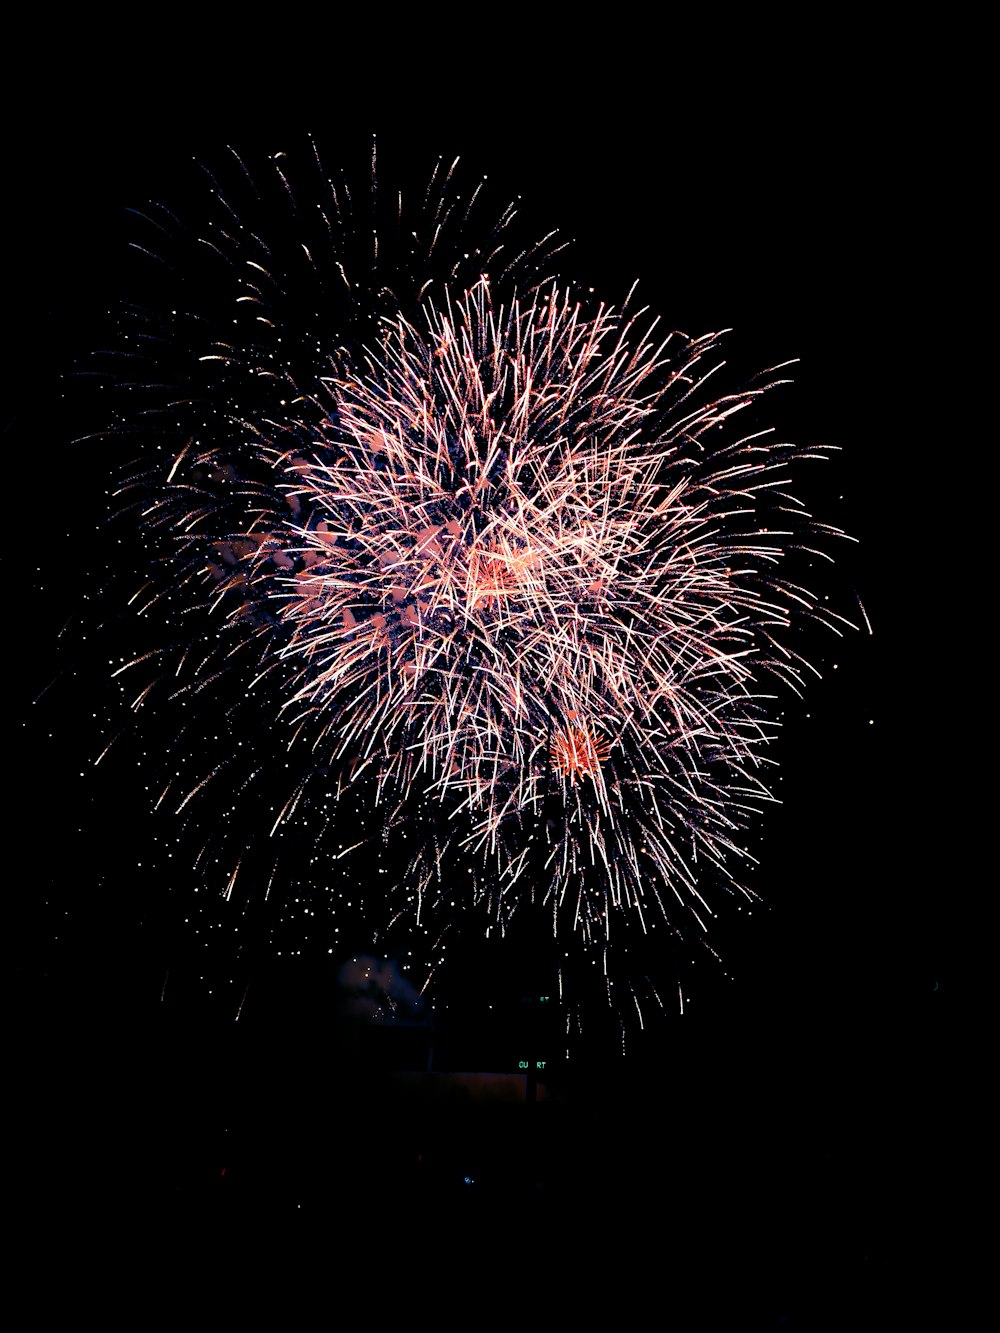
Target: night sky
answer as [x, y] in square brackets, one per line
[795, 1116]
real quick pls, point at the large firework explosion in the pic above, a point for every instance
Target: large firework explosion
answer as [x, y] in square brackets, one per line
[446, 558]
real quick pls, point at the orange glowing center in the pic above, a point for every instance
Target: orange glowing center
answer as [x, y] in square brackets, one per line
[577, 752]
[497, 571]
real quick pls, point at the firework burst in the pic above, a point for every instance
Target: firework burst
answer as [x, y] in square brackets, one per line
[488, 552]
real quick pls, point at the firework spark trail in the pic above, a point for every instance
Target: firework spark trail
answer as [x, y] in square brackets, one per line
[495, 549]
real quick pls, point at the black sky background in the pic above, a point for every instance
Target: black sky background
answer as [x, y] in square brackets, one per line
[808, 201]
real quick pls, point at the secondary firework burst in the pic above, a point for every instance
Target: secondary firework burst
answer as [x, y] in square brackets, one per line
[497, 555]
